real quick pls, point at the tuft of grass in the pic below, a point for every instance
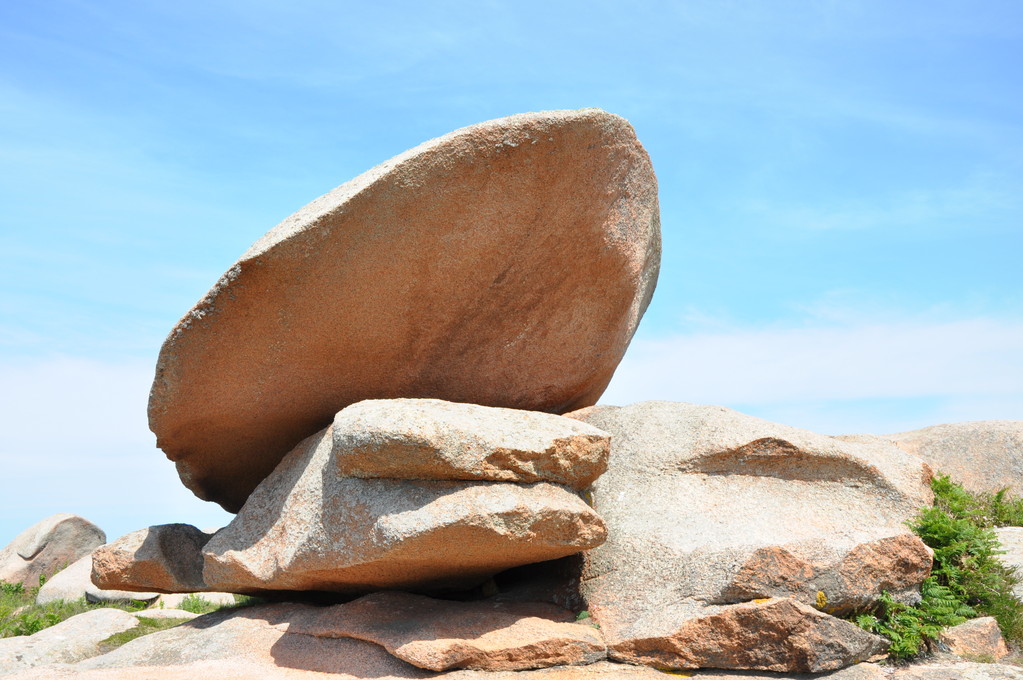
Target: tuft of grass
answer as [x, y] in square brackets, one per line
[967, 580]
[197, 605]
[145, 627]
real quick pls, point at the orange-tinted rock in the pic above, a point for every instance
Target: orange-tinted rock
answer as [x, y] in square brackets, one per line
[773, 635]
[48, 546]
[440, 635]
[161, 559]
[976, 638]
[505, 264]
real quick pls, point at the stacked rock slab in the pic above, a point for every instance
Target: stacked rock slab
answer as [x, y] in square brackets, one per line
[48, 546]
[505, 264]
[733, 541]
[479, 500]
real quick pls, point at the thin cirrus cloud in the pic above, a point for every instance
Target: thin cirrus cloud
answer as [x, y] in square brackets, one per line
[974, 359]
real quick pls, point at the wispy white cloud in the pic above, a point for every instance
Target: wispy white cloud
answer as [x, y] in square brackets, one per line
[74, 438]
[800, 370]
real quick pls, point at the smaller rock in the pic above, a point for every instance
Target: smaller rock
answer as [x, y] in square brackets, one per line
[984, 455]
[47, 547]
[69, 641]
[976, 639]
[75, 582]
[441, 635]
[435, 439]
[164, 559]
[175, 600]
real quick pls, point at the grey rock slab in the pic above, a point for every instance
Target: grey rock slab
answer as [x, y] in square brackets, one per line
[69, 641]
[708, 508]
[75, 582]
[307, 527]
[506, 264]
[48, 546]
[436, 439]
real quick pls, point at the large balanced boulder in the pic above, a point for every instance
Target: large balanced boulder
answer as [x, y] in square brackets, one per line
[733, 541]
[983, 455]
[47, 547]
[309, 527]
[505, 264]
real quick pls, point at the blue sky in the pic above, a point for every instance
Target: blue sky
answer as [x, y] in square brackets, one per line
[840, 188]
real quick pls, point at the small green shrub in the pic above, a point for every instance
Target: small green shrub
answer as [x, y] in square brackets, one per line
[197, 605]
[967, 580]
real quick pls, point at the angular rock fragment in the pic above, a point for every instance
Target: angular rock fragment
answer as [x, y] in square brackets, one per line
[506, 264]
[976, 638]
[434, 439]
[48, 546]
[707, 508]
[308, 528]
[441, 635]
[774, 635]
[75, 582]
[162, 559]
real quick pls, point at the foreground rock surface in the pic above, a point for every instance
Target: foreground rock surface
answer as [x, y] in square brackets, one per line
[69, 641]
[308, 528]
[534, 241]
[254, 643]
[441, 635]
[47, 546]
[75, 582]
[435, 439]
[708, 509]
[162, 559]
[983, 455]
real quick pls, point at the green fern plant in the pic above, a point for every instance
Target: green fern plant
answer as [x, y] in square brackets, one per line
[967, 580]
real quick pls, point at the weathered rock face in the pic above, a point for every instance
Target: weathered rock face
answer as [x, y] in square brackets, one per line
[976, 638]
[440, 635]
[161, 559]
[309, 528]
[434, 439]
[504, 264]
[708, 509]
[75, 582]
[47, 546]
[72, 640]
[983, 456]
